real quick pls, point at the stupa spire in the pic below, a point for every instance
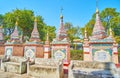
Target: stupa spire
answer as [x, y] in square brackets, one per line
[97, 11]
[16, 24]
[35, 33]
[61, 32]
[47, 47]
[98, 30]
[85, 36]
[110, 30]
[47, 39]
[15, 35]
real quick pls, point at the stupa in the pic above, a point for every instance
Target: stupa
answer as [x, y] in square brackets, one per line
[100, 46]
[34, 47]
[14, 45]
[61, 45]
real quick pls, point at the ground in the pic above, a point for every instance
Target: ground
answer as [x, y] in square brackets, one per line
[13, 75]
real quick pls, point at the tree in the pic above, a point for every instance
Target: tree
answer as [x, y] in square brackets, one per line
[89, 27]
[107, 14]
[1, 19]
[72, 31]
[68, 25]
[115, 24]
[109, 18]
[25, 20]
[51, 32]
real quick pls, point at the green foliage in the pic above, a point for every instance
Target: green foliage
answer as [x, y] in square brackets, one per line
[115, 24]
[72, 31]
[117, 38]
[76, 54]
[51, 31]
[25, 20]
[1, 19]
[109, 17]
[89, 27]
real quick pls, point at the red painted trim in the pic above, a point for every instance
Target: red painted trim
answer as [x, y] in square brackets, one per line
[116, 53]
[47, 52]
[60, 44]
[86, 46]
[117, 65]
[86, 53]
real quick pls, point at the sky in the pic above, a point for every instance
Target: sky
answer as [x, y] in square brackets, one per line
[78, 12]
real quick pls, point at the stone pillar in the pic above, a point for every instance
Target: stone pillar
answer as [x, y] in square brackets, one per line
[86, 48]
[86, 51]
[47, 51]
[87, 55]
[115, 53]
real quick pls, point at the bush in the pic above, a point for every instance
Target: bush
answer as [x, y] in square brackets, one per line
[76, 54]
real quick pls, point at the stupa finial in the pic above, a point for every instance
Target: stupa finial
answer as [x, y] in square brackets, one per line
[85, 33]
[35, 20]
[97, 10]
[61, 15]
[47, 36]
[35, 34]
[98, 30]
[110, 30]
[61, 31]
[16, 23]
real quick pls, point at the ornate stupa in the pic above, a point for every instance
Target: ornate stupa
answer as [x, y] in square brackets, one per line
[61, 32]
[34, 48]
[14, 47]
[98, 30]
[61, 45]
[14, 37]
[35, 34]
[100, 46]
[99, 34]
[35, 38]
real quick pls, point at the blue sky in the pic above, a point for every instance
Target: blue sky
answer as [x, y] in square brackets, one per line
[78, 12]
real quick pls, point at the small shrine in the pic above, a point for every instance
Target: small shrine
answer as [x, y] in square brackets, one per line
[100, 46]
[34, 47]
[60, 45]
[13, 46]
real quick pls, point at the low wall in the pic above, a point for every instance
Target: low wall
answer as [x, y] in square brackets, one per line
[82, 69]
[15, 65]
[46, 68]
